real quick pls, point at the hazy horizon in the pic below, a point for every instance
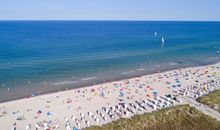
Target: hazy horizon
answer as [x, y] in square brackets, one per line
[99, 10]
[147, 20]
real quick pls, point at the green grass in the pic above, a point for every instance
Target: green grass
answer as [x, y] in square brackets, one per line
[181, 117]
[212, 100]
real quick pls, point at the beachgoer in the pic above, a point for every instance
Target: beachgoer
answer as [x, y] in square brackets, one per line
[14, 126]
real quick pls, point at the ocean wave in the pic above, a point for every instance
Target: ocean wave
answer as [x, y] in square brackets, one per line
[141, 69]
[89, 78]
[173, 63]
[213, 58]
[124, 73]
[63, 83]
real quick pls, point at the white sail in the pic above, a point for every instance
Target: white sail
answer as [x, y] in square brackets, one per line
[162, 42]
[155, 33]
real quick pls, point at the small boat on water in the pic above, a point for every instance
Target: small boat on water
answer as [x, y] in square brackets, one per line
[217, 52]
[162, 42]
[155, 33]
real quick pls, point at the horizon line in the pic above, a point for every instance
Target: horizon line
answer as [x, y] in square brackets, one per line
[109, 20]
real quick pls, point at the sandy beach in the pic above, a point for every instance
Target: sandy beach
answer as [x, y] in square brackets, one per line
[78, 107]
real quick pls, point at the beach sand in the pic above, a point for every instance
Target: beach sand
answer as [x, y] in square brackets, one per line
[57, 106]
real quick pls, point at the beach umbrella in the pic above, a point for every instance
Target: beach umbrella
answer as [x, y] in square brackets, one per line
[39, 112]
[49, 113]
[102, 94]
[92, 90]
[121, 94]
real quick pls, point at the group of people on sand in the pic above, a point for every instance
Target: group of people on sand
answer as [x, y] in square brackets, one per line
[105, 114]
[127, 104]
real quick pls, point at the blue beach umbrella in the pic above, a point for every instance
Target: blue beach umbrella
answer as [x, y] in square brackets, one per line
[49, 113]
[121, 94]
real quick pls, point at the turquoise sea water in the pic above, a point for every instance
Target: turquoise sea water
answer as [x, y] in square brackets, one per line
[44, 56]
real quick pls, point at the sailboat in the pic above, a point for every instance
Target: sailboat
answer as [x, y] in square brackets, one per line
[155, 33]
[162, 41]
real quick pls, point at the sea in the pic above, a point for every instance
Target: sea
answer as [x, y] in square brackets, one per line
[38, 57]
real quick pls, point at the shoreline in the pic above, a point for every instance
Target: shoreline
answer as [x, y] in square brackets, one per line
[70, 105]
[91, 84]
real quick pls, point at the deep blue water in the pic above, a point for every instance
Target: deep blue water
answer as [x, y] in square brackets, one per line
[52, 53]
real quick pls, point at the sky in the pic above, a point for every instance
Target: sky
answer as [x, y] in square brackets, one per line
[176, 10]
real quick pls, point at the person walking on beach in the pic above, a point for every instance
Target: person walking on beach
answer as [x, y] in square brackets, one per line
[14, 126]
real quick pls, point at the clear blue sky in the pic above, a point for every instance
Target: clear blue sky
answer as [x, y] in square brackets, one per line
[202, 10]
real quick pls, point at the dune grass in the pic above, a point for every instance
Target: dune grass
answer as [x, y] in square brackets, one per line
[181, 117]
[212, 100]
